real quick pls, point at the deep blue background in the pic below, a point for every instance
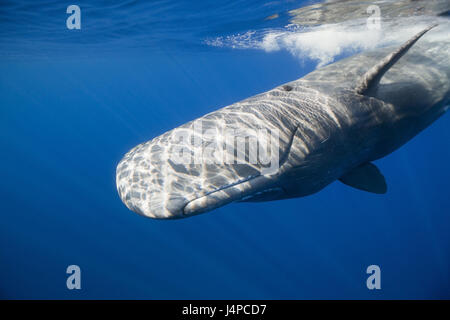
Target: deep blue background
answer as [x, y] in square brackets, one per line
[67, 119]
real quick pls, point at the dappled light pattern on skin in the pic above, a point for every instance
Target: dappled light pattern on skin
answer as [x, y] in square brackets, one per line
[151, 183]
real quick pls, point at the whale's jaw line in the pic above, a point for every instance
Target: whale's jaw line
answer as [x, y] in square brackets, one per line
[204, 203]
[225, 195]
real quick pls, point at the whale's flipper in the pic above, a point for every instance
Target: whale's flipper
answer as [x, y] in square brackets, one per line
[366, 177]
[369, 81]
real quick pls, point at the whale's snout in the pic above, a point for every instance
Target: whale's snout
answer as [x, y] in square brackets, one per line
[152, 185]
[142, 187]
[173, 176]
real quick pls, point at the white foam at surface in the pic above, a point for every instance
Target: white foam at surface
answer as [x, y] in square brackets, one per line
[324, 43]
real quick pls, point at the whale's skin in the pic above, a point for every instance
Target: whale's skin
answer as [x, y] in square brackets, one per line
[325, 128]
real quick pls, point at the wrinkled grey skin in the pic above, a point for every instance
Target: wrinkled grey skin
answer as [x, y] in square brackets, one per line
[326, 130]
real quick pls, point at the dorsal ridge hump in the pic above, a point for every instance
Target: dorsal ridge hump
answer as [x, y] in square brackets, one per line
[371, 78]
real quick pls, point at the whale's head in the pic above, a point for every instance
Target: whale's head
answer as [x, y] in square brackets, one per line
[202, 165]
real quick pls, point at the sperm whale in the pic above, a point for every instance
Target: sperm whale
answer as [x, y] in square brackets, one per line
[295, 139]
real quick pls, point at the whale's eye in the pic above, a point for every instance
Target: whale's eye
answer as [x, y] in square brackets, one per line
[287, 88]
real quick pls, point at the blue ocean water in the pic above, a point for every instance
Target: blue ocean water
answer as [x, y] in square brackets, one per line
[73, 102]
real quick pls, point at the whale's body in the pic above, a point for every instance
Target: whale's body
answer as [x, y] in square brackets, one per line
[331, 124]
